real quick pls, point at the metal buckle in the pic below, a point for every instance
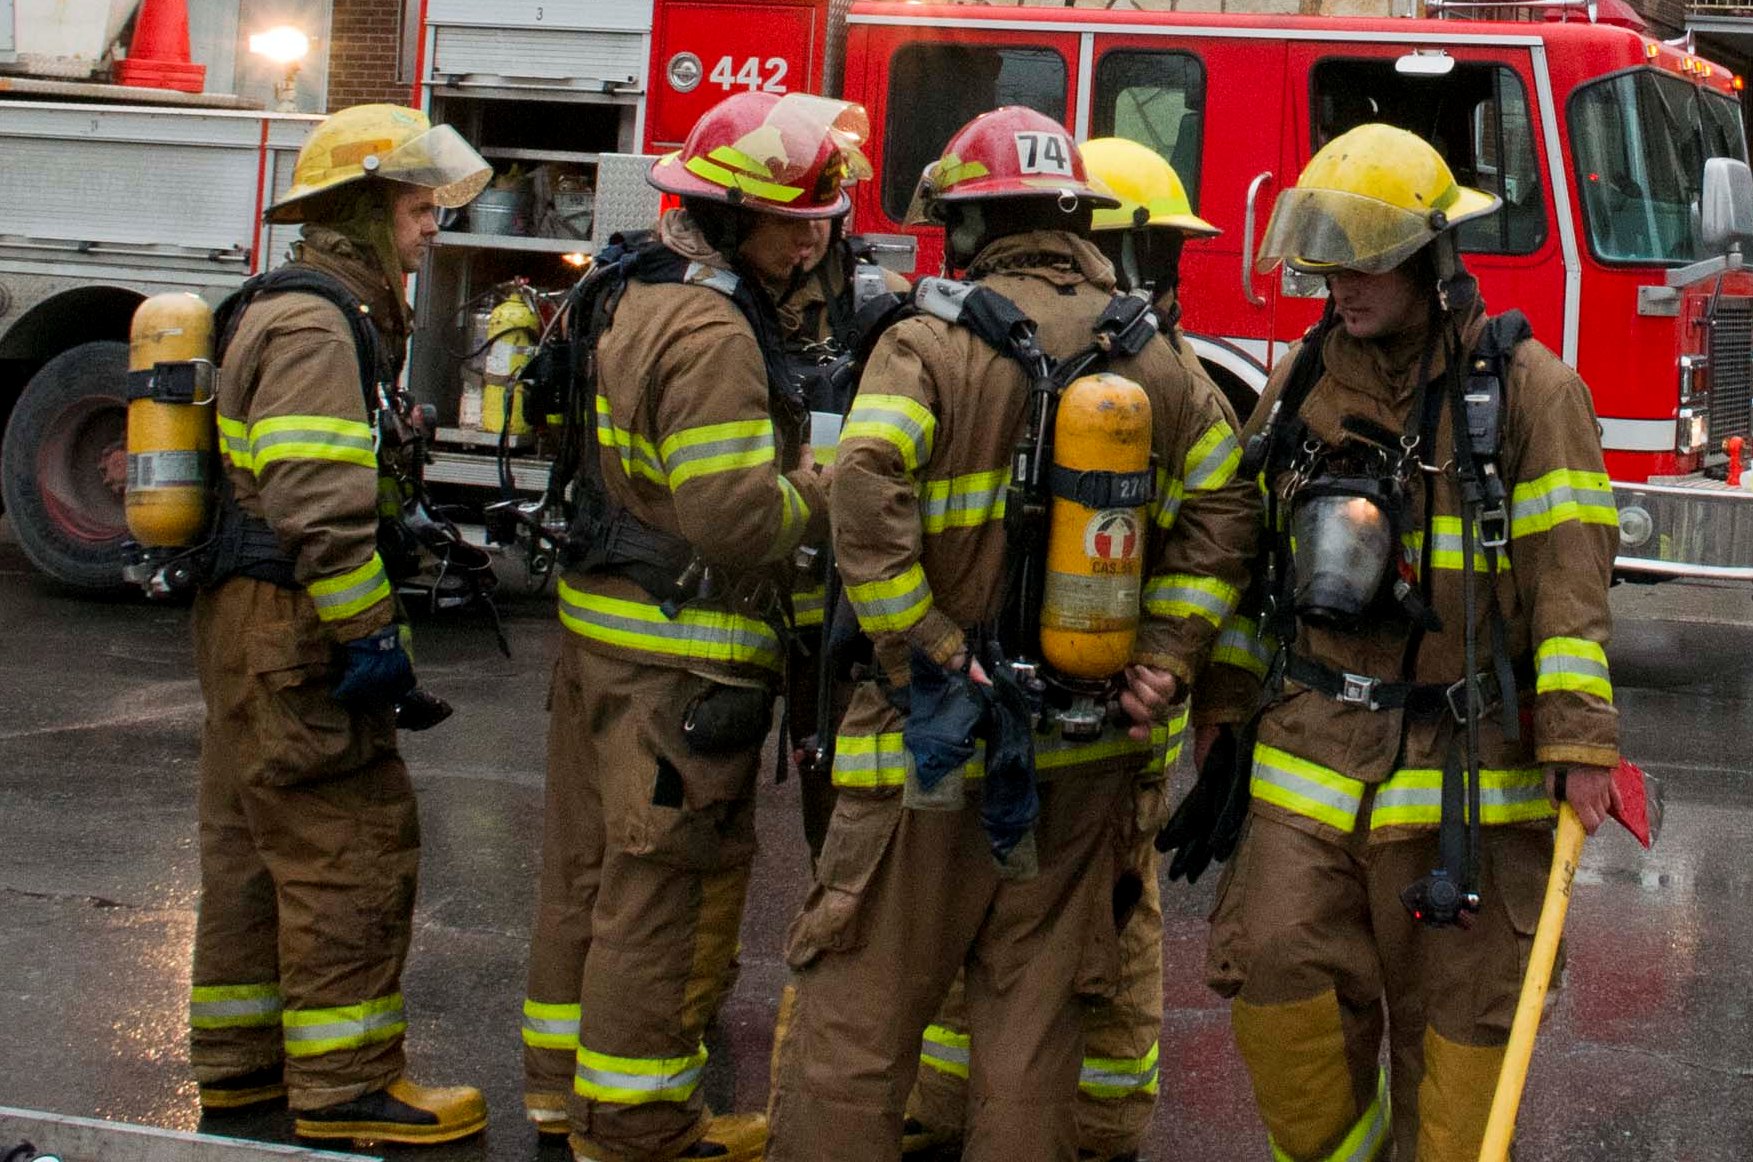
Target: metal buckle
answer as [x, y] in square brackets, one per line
[1358, 690]
[1494, 528]
[1488, 696]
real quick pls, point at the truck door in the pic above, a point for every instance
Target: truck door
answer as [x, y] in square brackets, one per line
[702, 51]
[1477, 105]
[1212, 105]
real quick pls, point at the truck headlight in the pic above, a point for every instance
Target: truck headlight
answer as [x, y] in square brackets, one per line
[1694, 431]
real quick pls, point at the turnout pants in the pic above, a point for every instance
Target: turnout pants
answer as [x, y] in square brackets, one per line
[1312, 943]
[310, 849]
[645, 865]
[903, 900]
[1117, 1083]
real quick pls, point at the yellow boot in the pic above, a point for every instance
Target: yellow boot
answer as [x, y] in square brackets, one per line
[403, 1112]
[257, 1087]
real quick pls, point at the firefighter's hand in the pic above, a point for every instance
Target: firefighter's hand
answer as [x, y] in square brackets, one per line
[1148, 695]
[1590, 791]
[960, 664]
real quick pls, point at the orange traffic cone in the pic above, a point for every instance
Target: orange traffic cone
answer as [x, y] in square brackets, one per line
[158, 56]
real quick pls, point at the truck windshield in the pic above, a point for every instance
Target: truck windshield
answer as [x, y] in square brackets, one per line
[1640, 140]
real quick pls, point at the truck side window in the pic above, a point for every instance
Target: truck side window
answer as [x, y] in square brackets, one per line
[961, 81]
[1156, 99]
[1476, 116]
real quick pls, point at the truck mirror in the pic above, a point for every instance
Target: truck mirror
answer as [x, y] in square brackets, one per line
[1425, 62]
[1726, 205]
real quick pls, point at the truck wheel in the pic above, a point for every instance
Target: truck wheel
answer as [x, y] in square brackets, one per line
[64, 466]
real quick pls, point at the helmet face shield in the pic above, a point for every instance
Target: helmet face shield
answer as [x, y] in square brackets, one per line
[1318, 230]
[438, 160]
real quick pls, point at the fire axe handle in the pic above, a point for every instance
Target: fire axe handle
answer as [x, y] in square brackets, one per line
[1500, 1128]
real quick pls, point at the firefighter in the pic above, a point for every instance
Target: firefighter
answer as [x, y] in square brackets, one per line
[1117, 1087]
[1426, 695]
[309, 837]
[663, 692]
[819, 303]
[910, 888]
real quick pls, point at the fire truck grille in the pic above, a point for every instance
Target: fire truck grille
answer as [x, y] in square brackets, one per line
[1731, 370]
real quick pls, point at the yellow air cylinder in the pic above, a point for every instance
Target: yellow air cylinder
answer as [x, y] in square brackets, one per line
[1095, 555]
[170, 430]
[513, 327]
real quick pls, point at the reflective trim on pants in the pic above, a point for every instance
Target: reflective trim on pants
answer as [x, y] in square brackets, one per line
[1111, 1078]
[310, 1032]
[234, 1006]
[550, 1026]
[1364, 1141]
[945, 1050]
[637, 1080]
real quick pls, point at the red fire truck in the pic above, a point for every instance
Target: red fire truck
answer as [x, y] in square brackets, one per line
[1595, 134]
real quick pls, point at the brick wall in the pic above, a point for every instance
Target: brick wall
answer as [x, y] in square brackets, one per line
[364, 53]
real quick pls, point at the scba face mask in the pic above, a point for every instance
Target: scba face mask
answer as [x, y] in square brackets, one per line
[1342, 547]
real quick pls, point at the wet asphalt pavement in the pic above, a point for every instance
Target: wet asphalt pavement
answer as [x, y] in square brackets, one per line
[1646, 1054]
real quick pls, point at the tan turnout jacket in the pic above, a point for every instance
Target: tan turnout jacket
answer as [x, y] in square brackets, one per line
[688, 446]
[1319, 762]
[298, 449]
[924, 463]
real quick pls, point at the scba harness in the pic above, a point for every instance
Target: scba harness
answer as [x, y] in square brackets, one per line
[1319, 497]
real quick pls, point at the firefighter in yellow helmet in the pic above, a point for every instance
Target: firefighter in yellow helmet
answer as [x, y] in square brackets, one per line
[1432, 618]
[309, 838]
[1118, 1082]
[1001, 864]
[676, 617]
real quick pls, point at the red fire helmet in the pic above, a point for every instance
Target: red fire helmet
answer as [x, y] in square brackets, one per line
[787, 155]
[1011, 152]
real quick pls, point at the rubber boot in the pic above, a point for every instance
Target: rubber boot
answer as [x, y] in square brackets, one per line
[728, 1138]
[548, 1112]
[411, 1114]
[231, 1094]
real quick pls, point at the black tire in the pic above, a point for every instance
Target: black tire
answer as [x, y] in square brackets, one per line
[63, 466]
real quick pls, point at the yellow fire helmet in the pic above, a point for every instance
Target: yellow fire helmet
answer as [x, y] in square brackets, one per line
[383, 141]
[1367, 202]
[1149, 189]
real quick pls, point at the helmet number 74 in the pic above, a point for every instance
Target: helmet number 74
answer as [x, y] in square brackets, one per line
[1043, 153]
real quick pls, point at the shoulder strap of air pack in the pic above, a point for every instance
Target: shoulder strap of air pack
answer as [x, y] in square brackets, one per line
[1485, 406]
[295, 278]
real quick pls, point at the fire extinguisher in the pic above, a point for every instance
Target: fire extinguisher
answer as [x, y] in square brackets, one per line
[513, 329]
[1097, 520]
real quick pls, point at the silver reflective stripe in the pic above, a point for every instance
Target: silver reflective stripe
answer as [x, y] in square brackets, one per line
[354, 1030]
[1216, 469]
[942, 298]
[722, 281]
[760, 643]
[309, 436]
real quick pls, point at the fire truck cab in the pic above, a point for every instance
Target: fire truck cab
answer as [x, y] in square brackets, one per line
[1596, 137]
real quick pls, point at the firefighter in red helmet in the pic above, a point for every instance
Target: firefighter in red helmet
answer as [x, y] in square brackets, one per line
[701, 492]
[1002, 858]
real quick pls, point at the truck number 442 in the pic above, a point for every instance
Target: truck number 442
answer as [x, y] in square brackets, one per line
[727, 74]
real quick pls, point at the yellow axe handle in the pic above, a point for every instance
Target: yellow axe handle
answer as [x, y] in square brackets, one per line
[1500, 1129]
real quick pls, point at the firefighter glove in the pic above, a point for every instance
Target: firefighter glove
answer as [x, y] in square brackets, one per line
[1193, 831]
[376, 671]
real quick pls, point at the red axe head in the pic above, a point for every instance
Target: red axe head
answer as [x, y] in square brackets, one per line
[1637, 802]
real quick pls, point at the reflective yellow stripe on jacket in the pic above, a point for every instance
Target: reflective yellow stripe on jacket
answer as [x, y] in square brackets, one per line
[693, 453]
[695, 634]
[1410, 797]
[882, 760]
[1190, 595]
[963, 502]
[1447, 551]
[1239, 644]
[234, 1006]
[340, 597]
[297, 438]
[547, 1026]
[1212, 460]
[905, 424]
[637, 1080]
[310, 1032]
[892, 604]
[1562, 495]
[1572, 663]
[638, 455]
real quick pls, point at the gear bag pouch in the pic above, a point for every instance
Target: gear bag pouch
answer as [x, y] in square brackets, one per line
[302, 734]
[667, 801]
[859, 835]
